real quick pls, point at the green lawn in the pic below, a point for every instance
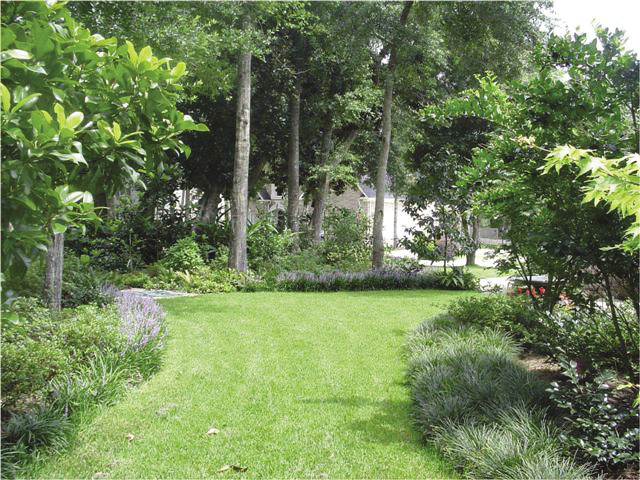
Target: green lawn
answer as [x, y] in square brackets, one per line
[299, 385]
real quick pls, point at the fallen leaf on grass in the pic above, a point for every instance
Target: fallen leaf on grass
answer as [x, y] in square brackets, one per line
[130, 436]
[235, 468]
[100, 476]
[213, 431]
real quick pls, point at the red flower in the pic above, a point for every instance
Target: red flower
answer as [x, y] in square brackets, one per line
[542, 290]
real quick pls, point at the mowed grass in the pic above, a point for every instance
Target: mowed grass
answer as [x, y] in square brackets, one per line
[299, 385]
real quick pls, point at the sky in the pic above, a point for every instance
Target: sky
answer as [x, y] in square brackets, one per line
[622, 14]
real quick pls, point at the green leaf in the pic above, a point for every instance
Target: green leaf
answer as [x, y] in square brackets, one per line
[5, 96]
[58, 227]
[116, 131]
[133, 56]
[74, 120]
[178, 70]
[14, 53]
[26, 102]
[145, 55]
[60, 116]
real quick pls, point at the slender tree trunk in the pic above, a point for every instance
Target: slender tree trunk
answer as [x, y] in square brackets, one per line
[377, 258]
[475, 238]
[209, 205]
[322, 192]
[53, 272]
[240, 192]
[378, 217]
[293, 180]
[396, 209]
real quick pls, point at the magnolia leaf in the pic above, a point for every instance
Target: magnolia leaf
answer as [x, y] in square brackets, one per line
[178, 70]
[117, 133]
[26, 101]
[60, 116]
[133, 56]
[130, 436]
[15, 53]
[213, 431]
[224, 468]
[74, 120]
[5, 96]
[144, 55]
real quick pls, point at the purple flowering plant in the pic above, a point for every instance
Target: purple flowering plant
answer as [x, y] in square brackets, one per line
[142, 322]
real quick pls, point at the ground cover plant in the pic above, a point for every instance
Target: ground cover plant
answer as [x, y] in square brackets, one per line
[591, 397]
[477, 403]
[296, 384]
[59, 367]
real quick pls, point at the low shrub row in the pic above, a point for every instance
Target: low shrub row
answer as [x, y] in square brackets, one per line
[595, 405]
[368, 280]
[57, 367]
[479, 405]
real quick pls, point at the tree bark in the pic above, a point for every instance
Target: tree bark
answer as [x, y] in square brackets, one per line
[53, 272]
[209, 205]
[475, 238]
[322, 192]
[377, 258]
[293, 180]
[396, 209]
[240, 191]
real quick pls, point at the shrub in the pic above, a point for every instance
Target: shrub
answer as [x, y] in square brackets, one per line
[266, 245]
[457, 278]
[519, 444]
[184, 255]
[204, 279]
[370, 280]
[38, 345]
[346, 244]
[497, 311]
[601, 423]
[479, 405]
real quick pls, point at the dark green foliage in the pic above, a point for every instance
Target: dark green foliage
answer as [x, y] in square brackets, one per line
[38, 345]
[601, 423]
[578, 334]
[204, 279]
[266, 246]
[457, 279]
[369, 280]
[346, 242]
[183, 256]
[59, 366]
[478, 404]
[496, 311]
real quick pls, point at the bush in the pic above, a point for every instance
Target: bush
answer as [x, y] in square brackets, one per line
[38, 345]
[266, 246]
[457, 278]
[496, 311]
[182, 256]
[57, 367]
[204, 279]
[346, 244]
[479, 405]
[519, 444]
[370, 280]
[601, 424]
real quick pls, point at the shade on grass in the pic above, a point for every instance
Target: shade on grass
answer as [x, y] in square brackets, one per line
[299, 385]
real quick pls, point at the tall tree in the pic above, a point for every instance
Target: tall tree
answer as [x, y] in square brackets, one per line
[377, 258]
[240, 192]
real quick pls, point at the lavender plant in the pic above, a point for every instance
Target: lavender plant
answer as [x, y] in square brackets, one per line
[142, 322]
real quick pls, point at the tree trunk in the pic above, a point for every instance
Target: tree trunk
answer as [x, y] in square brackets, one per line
[53, 272]
[378, 218]
[209, 205]
[475, 238]
[322, 192]
[293, 180]
[240, 192]
[396, 209]
[377, 258]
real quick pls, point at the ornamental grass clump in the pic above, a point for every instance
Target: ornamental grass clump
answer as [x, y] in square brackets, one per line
[351, 281]
[142, 322]
[479, 405]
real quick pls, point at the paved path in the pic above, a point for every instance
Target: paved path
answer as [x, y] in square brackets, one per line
[484, 258]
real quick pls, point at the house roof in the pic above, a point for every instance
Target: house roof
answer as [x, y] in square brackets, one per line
[370, 192]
